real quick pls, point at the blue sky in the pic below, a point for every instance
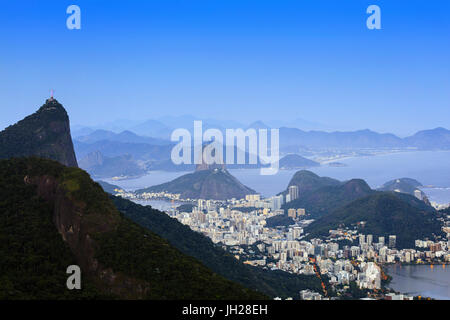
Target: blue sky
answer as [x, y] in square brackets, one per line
[243, 60]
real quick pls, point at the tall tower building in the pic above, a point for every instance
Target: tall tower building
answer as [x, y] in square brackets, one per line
[362, 239]
[392, 241]
[369, 239]
[293, 192]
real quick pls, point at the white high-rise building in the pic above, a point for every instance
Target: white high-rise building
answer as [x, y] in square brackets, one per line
[293, 193]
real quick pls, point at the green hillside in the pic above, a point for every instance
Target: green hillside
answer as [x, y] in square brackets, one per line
[272, 283]
[307, 181]
[53, 216]
[324, 200]
[384, 213]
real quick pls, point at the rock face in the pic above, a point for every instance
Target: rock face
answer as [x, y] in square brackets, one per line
[77, 227]
[44, 134]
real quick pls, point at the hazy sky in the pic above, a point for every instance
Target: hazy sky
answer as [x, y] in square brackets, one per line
[230, 59]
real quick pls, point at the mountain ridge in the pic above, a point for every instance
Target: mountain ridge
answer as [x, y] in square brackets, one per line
[384, 214]
[44, 134]
[215, 184]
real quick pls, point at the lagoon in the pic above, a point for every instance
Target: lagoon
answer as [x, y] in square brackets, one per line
[423, 280]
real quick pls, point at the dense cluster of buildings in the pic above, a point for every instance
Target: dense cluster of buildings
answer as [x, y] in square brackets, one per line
[345, 256]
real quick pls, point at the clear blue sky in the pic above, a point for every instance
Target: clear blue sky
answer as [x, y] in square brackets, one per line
[232, 59]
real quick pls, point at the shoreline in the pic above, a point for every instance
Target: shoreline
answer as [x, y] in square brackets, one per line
[418, 291]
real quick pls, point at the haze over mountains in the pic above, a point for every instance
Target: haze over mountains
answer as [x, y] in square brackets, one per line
[291, 134]
[148, 147]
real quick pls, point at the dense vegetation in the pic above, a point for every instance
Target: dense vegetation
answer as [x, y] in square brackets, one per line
[445, 211]
[272, 283]
[108, 187]
[171, 275]
[324, 200]
[384, 213]
[35, 256]
[279, 220]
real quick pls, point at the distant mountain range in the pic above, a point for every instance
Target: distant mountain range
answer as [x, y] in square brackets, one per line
[291, 135]
[124, 136]
[100, 166]
[154, 153]
[435, 139]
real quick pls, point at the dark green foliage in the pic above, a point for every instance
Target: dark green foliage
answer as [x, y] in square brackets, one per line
[107, 187]
[272, 283]
[356, 292]
[245, 209]
[385, 213]
[34, 256]
[45, 134]
[307, 181]
[279, 220]
[324, 200]
[185, 207]
[143, 255]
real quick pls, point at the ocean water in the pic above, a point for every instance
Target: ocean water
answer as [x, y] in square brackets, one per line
[431, 168]
[421, 280]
